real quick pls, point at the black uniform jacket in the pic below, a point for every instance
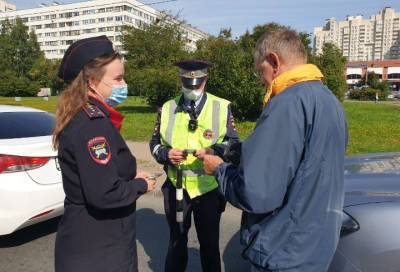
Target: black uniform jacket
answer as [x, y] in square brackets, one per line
[97, 231]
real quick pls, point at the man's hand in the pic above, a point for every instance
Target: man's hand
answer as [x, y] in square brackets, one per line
[176, 156]
[211, 163]
[202, 152]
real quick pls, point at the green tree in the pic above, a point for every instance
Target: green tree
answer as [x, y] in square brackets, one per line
[332, 64]
[232, 75]
[151, 52]
[23, 67]
[26, 49]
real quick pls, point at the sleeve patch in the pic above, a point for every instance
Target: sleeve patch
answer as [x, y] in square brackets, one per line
[99, 150]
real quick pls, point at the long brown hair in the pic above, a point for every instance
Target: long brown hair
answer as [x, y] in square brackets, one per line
[72, 99]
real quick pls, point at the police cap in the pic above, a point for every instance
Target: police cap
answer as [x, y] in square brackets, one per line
[82, 52]
[193, 72]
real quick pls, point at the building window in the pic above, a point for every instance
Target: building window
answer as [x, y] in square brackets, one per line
[127, 19]
[101, 10]
[69, 14]
[51, 43]
[118, 18]
[102, 29]
[53, 25]
[353, 76]
[110, 28]
[110, 19]
[90, 30]
[69, 33]
[102, 20]
[394, 76]
[89, 21]
[89, 11]
[109, 9]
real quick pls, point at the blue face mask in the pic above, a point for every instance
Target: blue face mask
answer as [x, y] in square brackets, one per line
[118, 95]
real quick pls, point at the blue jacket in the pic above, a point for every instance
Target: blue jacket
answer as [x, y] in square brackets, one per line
[290, 181]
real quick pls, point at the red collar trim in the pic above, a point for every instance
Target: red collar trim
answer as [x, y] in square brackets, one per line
[115, 116]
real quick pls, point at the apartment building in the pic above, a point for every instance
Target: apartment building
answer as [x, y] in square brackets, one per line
[4, 6]
[59, 25]
[376, 38]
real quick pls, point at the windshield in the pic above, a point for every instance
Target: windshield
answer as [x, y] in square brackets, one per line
[385, 164]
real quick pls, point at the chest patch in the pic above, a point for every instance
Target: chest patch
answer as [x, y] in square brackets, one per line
[208, 134]
[99, 150]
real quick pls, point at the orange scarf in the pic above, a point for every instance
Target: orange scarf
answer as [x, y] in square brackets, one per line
[305, 72]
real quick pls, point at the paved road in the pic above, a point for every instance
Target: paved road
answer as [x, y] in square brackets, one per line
[31, 249]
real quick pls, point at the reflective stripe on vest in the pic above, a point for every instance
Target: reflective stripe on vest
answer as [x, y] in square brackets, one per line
[211, 130]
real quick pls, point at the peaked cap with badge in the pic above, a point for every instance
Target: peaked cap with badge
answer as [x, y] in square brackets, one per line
[82, 52]
[193, 72]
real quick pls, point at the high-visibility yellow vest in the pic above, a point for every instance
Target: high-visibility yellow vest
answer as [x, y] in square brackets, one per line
[211, 130]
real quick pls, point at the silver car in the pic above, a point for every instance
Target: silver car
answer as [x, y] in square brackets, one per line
[370, 237]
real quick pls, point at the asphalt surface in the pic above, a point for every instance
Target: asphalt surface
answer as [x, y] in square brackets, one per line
[32, 249]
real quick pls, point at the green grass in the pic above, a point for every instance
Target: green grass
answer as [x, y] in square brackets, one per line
[372, 127]
[34, 102]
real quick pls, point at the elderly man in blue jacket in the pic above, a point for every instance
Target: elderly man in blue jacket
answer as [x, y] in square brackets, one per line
[289, 182]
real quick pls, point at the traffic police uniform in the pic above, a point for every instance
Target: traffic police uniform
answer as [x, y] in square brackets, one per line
[182, 124]
[97, 231]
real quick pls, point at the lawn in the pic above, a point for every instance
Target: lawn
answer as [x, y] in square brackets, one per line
[372, 127]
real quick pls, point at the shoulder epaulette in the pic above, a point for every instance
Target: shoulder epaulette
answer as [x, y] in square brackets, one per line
[93, 111]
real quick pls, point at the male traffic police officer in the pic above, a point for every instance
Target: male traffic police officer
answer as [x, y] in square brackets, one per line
[193, 121]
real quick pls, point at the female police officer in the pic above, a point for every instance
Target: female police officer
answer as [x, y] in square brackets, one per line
[97, 231]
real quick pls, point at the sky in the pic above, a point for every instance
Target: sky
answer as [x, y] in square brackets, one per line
[241, 15]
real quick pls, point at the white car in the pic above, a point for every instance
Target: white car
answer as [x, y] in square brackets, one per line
[30, 179]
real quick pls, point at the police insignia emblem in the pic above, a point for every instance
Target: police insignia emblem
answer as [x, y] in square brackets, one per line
[208, 134]
[99, 150]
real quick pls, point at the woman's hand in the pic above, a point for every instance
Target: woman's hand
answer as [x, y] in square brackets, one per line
[151, 182]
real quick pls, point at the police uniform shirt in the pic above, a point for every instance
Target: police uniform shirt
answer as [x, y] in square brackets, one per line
[97, 231]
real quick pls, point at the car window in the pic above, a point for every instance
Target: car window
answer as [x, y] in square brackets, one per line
[25, 124]
[374, 165]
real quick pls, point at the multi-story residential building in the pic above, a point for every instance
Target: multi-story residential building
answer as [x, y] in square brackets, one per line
[360, 39]
[4, 6]
[59, 25]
